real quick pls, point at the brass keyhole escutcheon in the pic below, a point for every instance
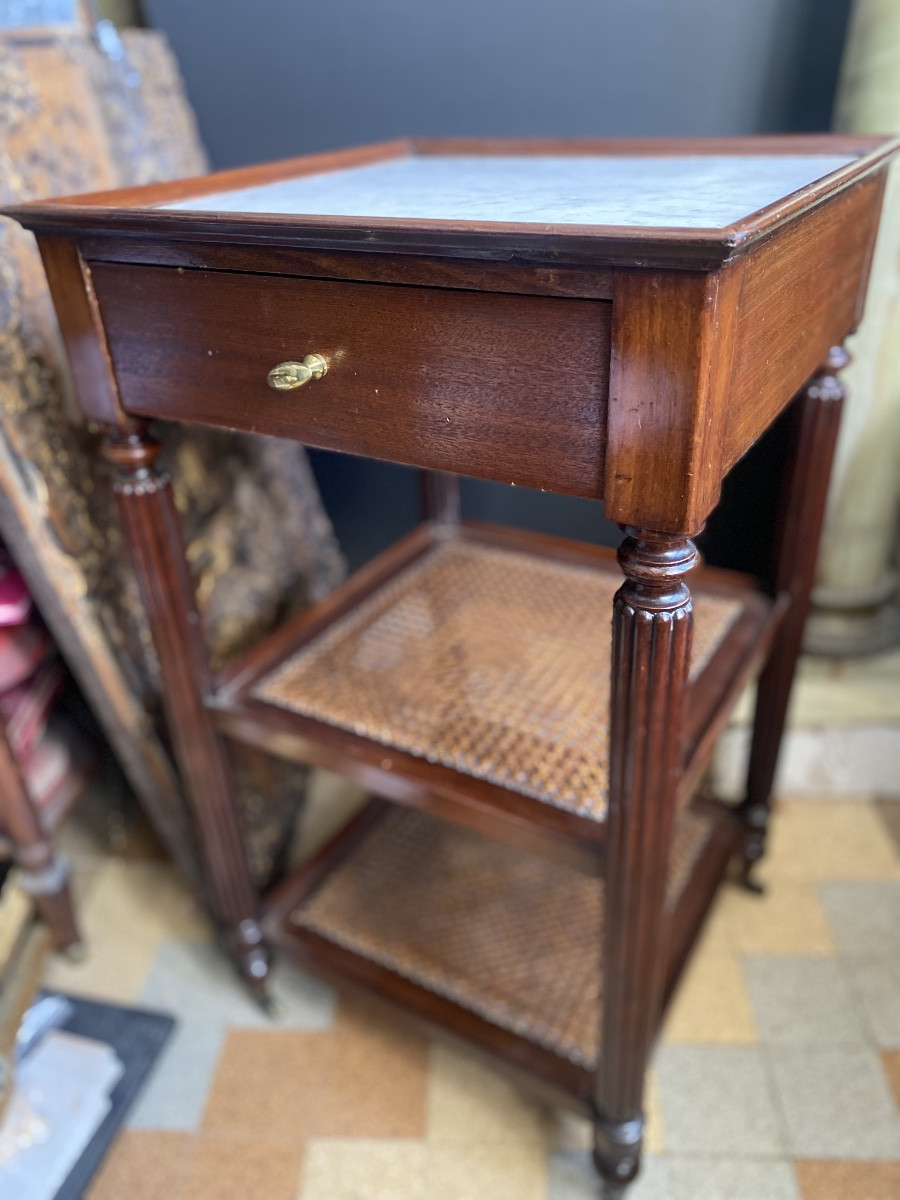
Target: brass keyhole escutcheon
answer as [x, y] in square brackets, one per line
[290, 375]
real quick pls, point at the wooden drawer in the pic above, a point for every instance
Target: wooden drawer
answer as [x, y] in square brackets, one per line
[507, 387]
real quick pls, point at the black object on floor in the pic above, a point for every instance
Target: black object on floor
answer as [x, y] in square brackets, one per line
[137, 1036]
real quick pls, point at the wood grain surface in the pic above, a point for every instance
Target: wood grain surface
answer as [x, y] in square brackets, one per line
[511, 388]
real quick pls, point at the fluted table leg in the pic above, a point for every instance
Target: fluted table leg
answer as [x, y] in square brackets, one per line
[652, 627]
[817, 414]
[153, 533]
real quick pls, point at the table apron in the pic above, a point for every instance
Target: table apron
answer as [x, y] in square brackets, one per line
[507, 387]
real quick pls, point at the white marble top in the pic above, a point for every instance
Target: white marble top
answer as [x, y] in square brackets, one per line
[685, 192]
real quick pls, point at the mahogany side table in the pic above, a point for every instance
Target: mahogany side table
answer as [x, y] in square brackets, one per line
[619, 321]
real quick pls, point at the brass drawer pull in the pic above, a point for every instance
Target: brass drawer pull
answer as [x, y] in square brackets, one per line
[289, 375]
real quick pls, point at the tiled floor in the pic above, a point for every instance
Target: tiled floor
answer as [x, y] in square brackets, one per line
[844, 736]
[777, 1078]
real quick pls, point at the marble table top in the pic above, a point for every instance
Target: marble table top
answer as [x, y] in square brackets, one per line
[703, 191]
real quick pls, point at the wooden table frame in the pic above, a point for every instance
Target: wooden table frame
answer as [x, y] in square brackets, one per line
[700, 338]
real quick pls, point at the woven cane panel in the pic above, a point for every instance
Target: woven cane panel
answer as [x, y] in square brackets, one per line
[492, 662]
[512, 937]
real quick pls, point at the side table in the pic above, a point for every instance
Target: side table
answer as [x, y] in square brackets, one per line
[614, 320]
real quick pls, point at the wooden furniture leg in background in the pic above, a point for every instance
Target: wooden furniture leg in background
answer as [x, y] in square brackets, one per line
[652, 628]
[439, 491]
[45, 874]
[153, 533]
[816, 415]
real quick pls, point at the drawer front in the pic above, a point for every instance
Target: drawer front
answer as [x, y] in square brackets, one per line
[506, 387]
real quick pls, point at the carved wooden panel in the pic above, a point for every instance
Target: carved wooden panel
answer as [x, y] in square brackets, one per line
[71, 119]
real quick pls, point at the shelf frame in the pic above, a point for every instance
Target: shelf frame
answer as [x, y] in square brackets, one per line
[554, 1076]
[479, 804]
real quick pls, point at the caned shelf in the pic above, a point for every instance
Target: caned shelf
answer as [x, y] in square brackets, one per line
[467, 672]
[502, 947]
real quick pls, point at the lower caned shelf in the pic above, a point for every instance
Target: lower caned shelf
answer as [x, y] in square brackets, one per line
[500, 947]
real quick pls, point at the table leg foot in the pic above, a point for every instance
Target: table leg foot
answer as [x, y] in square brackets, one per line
[748, 881]
[48, 887]
[756, 817]
[250, 955]
[617, 1152]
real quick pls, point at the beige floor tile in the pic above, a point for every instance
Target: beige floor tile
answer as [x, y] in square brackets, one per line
[225, 1168]
[145, 901]
[716, 932]
[143, 1165]
[839, 761]
[839, 840]
[654, 1132]
[374, 1076]
[825, 763]
[114, 967]
[823, 702]
[848, 1180]
[153, 895]
[569, 1131]
[265, 1085]
[842, 692]
[468, 1101]
[500, 1170]
[711, 1005]
[788, 919]
[364, 1078]
[361, 1169]
[128, 911]
[839, 692]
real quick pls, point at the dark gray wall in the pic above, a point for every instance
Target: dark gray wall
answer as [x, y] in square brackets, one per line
[275, 77]
[270, 78]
